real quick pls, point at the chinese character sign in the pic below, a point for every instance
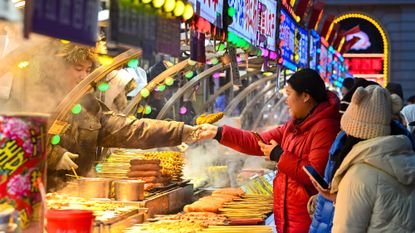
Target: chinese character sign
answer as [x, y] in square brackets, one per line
[302, 47]
[287, 36]
[266, 33]
[22, 162]
[245, 19]
[314, 44]
[211, 10]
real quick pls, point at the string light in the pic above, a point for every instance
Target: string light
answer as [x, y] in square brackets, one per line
[105, 60]
[145, 92]
[188, 12]
[214, 61]
[183, 110]
[158, 3]
[76, 109]
[65, 41]
[103, 87]
[140, 109]
[133, 63]
[161, 87]
[169, 81]
[147, 110]
[169, 5]
[55, 139]
[189, 74]
[179, 8]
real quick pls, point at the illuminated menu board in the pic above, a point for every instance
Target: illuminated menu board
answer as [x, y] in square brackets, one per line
[266, 33]
[245, 19]
[322, 67]
[287, 37]
[314, 44]
[330, 64]
[211, 10]
[302, 48]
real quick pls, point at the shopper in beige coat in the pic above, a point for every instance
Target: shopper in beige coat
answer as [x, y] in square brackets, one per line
[375, 183]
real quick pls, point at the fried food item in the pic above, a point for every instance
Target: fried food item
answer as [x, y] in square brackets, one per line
[133, 174]
[145, 167]
[144, 161]
[230, 191]
[209, 119]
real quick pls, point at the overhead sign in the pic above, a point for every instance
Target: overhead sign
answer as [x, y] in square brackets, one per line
[314, 44]
[267, 29]
[287, 36]
[211, 10]
[75, 20]
[131, 25]
[322, 67]
[301, 47]
[244, 22]
[294, 41]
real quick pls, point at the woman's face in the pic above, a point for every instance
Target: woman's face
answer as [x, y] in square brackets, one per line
[297, 102]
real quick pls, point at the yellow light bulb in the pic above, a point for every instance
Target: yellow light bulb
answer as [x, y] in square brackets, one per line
[179, 8]
[169, 5]
[188, 11]
[146, 1]
[158, 3]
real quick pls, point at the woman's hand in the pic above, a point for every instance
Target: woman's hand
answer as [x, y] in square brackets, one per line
[206, 131]
[325, 192]
[267, 148]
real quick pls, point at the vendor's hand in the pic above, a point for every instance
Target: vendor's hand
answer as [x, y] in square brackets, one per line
[66, 163]
[267, 148]
[325, 192]
[207, 131]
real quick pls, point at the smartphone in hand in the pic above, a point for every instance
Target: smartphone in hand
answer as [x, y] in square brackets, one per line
[316, 177]
[258, 137]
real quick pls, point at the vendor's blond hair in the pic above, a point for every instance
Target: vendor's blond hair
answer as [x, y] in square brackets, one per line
[74, 53]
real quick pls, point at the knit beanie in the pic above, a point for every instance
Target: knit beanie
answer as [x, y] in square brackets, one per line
[358, 82]
[369, 113]
[310, 82]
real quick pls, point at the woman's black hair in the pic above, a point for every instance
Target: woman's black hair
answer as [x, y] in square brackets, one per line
[338, 157]
[310, 82]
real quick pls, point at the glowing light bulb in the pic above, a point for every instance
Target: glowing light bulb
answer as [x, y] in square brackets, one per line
[55, 139]
[146, 1]
[179, 8]
[65, 41]
[76, 109]
[231, 11]
[147, 110]
[158, 3]
[189, 74]
[188, 12]
[145, 92]
[183, 110]
[169, 5]
[140, 109]
[169, 81]
[161, 87]
[214, 61]
[133, 63]
[105, 60]
[23, 64]
[216, 75]
[103, 87]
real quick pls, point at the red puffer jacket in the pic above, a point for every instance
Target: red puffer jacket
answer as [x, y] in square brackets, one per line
[307, 143]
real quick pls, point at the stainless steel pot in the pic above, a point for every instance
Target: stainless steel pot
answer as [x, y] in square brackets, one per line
[129, 190]
[94, 187]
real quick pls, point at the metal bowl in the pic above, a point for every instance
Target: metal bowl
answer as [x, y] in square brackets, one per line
[129, 190]
[94, 187]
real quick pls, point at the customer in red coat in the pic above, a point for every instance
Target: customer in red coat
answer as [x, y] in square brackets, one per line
[304, 140]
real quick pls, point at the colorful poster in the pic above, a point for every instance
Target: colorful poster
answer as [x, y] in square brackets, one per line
[314, 44]
[75, 20]
[245, 19]
[22, 163]
[211, 10]
[266, 32]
